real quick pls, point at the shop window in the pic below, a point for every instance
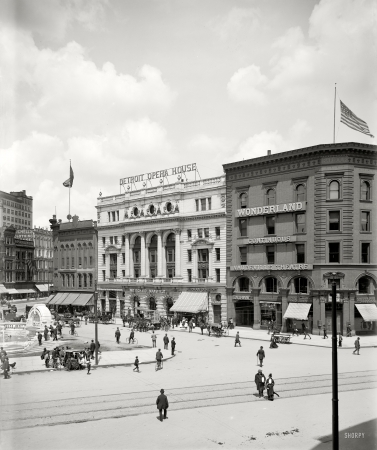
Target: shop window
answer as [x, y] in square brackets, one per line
[334, 252]
[189, 255]
[244, 284]
[300, 223]
[243, 227]
[270, 253]
[270, 224]
[334, 190]
[243, 256]
[218, 277]
[189, 275]
[365, 190]
[217, 254]
[300, 193]
[301, 285]
[365, 252]
[271, 284]
[217, 232]
[243, 200]
[365, 221]
[270, 197]
[300, 253]
[363, 285]
[334, 220]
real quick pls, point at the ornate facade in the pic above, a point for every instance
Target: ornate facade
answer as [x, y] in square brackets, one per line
[155, 243]
[297, 222]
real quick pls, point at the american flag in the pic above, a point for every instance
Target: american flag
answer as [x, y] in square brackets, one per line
[30, 265]
[69, 182]
[351, 120]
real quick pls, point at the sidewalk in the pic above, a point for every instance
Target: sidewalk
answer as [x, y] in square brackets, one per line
[105, 359]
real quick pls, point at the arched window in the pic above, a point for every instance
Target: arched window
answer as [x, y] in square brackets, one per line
[271, 284]
[243, 200]
[364, 284]
[365, 191]
[170, 256]
[218, 297]
[334, 190]
[300, 193]
[244, 284]
[301, 285]
[270, 196]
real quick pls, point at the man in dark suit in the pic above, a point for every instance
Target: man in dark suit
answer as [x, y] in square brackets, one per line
[162, 404]
[260, 381]
[166, 341]
[92, 349]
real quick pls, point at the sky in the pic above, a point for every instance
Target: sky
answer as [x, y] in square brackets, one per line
[124, 87]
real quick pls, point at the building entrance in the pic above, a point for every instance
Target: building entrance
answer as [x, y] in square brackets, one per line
[217, 313]
[339, 317]
[244, 313]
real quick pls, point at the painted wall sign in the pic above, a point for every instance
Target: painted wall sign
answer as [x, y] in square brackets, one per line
[242, 297]
[271, 209]
[158, 174]
[274, 267]
[272, 239]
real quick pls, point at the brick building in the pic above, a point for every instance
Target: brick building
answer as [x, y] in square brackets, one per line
[297, 222]
[16, 209]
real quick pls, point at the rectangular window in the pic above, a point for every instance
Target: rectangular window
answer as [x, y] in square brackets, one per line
[197, 204]
[118, 216]
[301, 223]
[334, 220]
[123, 258]
[243, 227]
[85, 262]
[365, 252]
[243, 256]
[189, 235]
[90, 261]
[203, 273]
[206, 232]
[104, 275]
[171, 272]
[136, 256]
[334, 252]
[217, 254]
[109, 216]
[80, 261]
[62, 262]
[217, 275]
[103, 259]
[116, 240]
[365, 221]
[113, 215]
[137, 272]
[189, 275]
[203, 204]
[209, 202]
[111, 240]
[73, 262]
[217, 231]
[153, 256]
[189, 255]
[104, 241]
[270, 252]
[203, 255]
[200, 232]
[123, 273]
[123, 240]
[170, 255]
[300, 253]
[270, 224]
[153, 272]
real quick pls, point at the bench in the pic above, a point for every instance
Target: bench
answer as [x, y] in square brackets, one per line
[283, 338]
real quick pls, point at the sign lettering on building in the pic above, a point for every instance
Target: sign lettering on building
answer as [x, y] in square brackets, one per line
[273, 267]
[158, 174]
[271, 209]
[272, 239]
[242, 297]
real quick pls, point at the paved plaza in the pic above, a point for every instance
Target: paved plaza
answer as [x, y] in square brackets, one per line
[211, 390]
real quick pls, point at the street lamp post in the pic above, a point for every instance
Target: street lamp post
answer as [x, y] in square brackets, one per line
[96, 323]
[335, 401]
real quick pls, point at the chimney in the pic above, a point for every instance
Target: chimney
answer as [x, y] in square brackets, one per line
[268, 152]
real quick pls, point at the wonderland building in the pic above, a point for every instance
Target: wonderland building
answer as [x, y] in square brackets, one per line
[297, 222]
[163, 249]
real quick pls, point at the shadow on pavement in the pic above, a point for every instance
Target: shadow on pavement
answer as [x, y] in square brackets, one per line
[362, 436]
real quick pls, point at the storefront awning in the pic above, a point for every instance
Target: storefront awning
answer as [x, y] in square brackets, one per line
[59, 297]
[191, 302]
[12, 291]
[368, 311]
[298, 311]
[69, 299]
[42, 287]
[25, 291]
[48, 302]
[84, 299]
[3, 289]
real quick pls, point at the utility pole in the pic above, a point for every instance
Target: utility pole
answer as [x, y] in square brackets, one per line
[335, 401]
[96, 322]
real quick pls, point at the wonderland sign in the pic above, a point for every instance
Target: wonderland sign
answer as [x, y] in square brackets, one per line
[271, 209]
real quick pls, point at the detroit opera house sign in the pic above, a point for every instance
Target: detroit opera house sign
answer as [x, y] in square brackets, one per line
[272, 209]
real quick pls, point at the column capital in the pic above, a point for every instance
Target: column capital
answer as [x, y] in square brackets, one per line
[177, 231]
[159, 232]
[141, 233]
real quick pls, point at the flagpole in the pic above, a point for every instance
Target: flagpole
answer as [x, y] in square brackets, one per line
[334, 114]
[69, 204]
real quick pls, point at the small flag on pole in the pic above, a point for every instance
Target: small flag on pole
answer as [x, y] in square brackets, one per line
[69, 182]
[351, 120]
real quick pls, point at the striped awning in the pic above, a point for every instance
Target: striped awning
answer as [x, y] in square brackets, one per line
[298, 311]
[48, 301]
[59, 297]
[368, 311]
[3, 289]
[84, 299]
[69, 299]
[191, 302]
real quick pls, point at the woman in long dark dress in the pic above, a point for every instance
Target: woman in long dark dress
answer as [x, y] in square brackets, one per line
[270, 383]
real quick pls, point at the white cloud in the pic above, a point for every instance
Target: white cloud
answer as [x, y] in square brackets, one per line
[247, 85]
[236, 21]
